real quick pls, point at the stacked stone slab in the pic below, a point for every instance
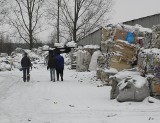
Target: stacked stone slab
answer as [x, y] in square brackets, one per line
[103, 71]
[123, 55]
[148, 60]
[83, 58]
[73, 56]
[155, 36]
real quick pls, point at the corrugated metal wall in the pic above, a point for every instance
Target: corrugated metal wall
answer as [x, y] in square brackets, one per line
[94, 38]
[147, 22]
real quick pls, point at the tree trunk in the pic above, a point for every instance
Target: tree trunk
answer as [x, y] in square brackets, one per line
[75, 22]
[75, 33]
[30, 30]
[31, 41]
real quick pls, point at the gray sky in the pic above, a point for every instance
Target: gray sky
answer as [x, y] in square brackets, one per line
[124, 10]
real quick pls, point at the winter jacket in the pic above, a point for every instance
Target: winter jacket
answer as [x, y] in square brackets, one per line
[59, 62]
[25, 62]
[51, 62]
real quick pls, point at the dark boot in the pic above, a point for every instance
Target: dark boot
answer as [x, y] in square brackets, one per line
[61, 74]
[57, 76]
[28, 77]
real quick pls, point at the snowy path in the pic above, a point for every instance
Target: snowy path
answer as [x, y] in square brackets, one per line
[75, 100]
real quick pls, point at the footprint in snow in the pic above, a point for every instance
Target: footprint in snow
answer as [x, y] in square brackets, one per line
[71, 105]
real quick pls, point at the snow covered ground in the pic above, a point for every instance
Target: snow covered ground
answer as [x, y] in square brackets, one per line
[75, 100]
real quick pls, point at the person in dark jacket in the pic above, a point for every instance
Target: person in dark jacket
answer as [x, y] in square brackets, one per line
[26, 64]
[59, 65]
[52, 66]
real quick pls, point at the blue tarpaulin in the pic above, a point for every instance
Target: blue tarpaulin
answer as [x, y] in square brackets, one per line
[130, 37]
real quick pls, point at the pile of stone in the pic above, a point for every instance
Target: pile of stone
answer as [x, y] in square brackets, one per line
[5, 63]
[123, 55]
[129, 86]
[119, 51]
[155, 37]
[86, 58]
[149, 64]
[147, 60]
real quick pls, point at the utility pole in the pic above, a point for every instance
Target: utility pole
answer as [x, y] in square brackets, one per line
[59, 2]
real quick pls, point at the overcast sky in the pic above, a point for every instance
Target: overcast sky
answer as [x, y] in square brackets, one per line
[124, 10]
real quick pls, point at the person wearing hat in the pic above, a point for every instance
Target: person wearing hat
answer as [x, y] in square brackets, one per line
[26, 64]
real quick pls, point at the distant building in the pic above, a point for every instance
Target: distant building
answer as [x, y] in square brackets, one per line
[102, 34]
[95, 37]
[146, 22]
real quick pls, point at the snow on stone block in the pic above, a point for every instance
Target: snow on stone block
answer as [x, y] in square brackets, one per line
[133, 88]
[5, 66]
[45, 47]
[124, 74]
[151, 100]
[59, 45]
[3, 54]
[137, 80]
[27, 51]
[91, 46]
[17, 50]
[106, 73]
[71, 44]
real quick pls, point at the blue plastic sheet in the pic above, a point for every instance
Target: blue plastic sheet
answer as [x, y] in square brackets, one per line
[130, 37]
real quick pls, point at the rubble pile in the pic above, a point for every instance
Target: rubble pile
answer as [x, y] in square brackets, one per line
[129, 86]
[13, 61]
[130, 47]
[149, 64]
[86, 58]
[123, 55]
[155, 37]
[147, 60]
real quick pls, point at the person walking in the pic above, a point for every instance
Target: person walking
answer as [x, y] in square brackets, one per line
[59, 65]
[26, 64]
[52, 66]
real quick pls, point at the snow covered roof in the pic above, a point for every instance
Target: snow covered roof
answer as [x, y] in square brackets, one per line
[125, 27]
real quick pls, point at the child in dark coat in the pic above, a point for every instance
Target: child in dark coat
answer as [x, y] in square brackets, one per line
[26, 64]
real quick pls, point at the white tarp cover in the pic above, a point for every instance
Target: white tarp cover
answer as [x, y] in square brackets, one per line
[93, 63]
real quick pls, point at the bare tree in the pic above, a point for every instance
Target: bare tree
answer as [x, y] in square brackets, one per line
[81, 17]
[3, 13]
[25, 19]
[3, 10]
[53, 9]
